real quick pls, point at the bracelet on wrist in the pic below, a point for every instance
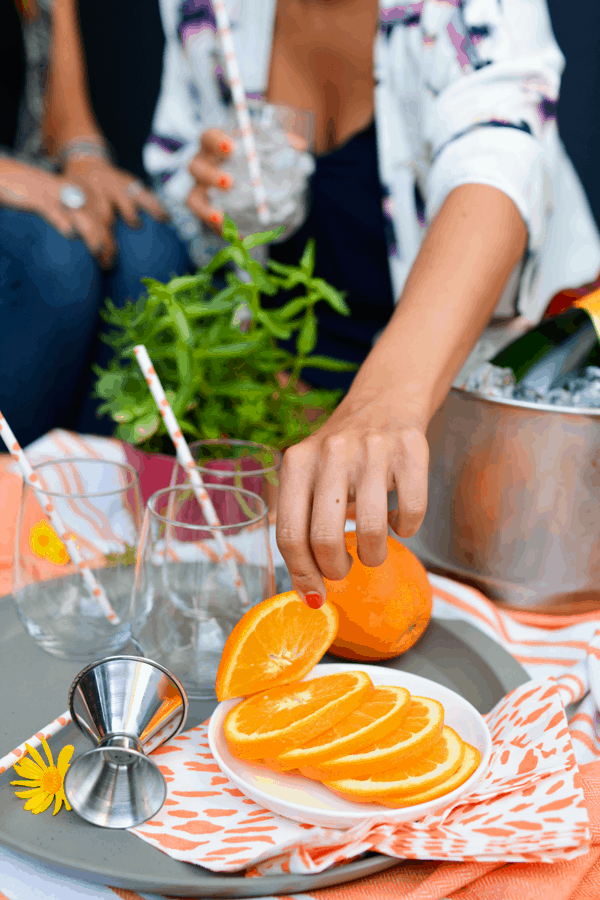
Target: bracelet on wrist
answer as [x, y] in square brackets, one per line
[83, 149]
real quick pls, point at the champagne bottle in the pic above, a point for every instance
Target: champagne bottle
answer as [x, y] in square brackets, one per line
[540, 357]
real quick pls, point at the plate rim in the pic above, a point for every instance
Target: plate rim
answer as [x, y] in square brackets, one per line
[216, 720]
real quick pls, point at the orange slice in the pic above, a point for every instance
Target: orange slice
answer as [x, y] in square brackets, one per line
[276, 642]
[419, 774]
[381, 712]
[471, 760]
[420, 729]
[283, 718]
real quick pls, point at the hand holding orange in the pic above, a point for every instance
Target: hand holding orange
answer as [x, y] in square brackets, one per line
[382, 611]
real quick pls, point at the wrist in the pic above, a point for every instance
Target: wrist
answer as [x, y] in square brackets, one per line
[87, 146]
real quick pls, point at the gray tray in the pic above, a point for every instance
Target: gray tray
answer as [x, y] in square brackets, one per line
[36, 684]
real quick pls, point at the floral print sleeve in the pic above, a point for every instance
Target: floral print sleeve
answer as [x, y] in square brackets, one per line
[490, 80]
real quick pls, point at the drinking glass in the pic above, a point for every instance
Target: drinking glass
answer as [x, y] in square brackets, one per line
[240, 464]
[283, 137]
[100, 505]
[185, 601]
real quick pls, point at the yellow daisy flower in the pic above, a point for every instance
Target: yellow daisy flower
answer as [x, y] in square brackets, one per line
[45, 782]
[46, 544]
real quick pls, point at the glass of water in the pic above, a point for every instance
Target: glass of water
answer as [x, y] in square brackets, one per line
[284, 137]
[100, 506]
[185, 602]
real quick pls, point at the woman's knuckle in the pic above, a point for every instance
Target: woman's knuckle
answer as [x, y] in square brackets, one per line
[372, 527]
[288, 537]
[414, 509]
[322, 537]
[334, 444]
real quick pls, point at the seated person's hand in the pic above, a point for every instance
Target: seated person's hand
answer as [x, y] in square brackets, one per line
[111, 191]
[359, 454]
[215, 146]
[35, 190]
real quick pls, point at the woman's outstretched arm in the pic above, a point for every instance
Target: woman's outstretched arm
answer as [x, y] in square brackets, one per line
[375, 440]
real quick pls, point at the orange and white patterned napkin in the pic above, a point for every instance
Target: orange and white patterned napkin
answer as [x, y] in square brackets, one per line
[528, 806]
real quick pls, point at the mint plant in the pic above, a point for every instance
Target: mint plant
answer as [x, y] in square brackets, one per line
[215, 351]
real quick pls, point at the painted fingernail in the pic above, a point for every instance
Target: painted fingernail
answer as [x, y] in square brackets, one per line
[314, 600]
[224, 182]
[216, 218]
[225, 146]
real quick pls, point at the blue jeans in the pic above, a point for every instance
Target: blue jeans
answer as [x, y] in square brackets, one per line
[51, 292]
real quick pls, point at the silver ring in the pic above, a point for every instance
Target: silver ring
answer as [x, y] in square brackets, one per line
[134, 188]
[72, 196]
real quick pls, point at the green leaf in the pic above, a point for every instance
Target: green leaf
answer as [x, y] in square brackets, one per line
[180, 322]
[307, 337]
[227, 350]
[307, 263]
[327, 292]
[189, 282]
[230, 231]
[262, 237]
[276, 328]
[293, 308]
[145, 428]
[332, 365]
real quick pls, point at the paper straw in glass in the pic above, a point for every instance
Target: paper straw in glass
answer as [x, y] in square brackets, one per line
[95, 589]
[187, 461]
[241, 109]
[35, 740]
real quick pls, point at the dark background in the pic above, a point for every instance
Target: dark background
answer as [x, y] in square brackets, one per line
[124, 44]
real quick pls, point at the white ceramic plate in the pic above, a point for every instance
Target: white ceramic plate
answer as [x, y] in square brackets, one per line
[304, 800]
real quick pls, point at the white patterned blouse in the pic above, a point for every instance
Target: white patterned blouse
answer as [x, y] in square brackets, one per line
[466, 92]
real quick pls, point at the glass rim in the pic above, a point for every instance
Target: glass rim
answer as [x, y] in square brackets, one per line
[226, 473]
[83, 459]
[153, 499]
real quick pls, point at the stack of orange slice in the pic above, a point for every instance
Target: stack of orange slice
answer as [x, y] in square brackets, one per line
[369, 744]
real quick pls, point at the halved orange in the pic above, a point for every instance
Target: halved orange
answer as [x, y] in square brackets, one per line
[382, 712]
[420, 729]
[416, 775]
[276, 642]
[283, 718]
[471, 760]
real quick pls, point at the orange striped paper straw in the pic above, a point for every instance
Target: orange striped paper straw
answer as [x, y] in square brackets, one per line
[187, 461]
[34, 741]
[241, 109]
[31, 477]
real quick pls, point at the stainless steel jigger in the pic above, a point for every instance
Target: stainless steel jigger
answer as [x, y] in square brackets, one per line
[128, 706]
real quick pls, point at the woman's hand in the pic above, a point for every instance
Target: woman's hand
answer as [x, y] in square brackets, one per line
[35, 190]
[360, 454]
[215, 146]
[110, 191]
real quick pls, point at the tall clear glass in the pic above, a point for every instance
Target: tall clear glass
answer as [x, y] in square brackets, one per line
[242, 464]
[283, 136]
[100, 505]
[185, 602]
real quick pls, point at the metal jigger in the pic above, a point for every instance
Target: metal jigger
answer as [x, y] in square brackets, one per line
[128, 706]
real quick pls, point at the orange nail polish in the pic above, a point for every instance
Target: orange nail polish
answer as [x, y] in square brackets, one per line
[224, 181]
[225, 147]
[216, 218]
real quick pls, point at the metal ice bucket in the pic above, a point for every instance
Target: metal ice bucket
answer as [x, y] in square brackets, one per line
[514, 501]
